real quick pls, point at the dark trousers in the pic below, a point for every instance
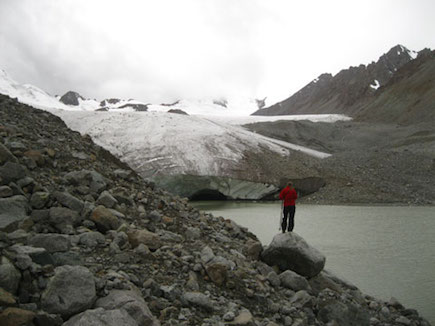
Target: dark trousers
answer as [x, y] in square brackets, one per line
[289, 213]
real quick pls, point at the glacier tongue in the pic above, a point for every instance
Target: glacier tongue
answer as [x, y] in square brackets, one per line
[163, 143]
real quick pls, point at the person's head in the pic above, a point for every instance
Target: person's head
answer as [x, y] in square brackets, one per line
[290, 184]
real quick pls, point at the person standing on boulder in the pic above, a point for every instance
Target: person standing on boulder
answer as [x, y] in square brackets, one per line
[289, 196]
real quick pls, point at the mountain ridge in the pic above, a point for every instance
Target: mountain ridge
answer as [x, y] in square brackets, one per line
[346, 92]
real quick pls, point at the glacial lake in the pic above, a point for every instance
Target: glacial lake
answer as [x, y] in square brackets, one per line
[386, 251]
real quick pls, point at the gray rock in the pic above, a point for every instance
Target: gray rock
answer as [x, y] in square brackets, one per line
[39, 199]
[9, 276]
[207, 255]
[123, 174]
[68, 200]
[402, 320]
[155, 216]
[198, 300]
[92, 239]
[168, 236]
[273, 279]
[52, 242]
[63, 219]
[121, 239]
[5, 191]
[92, 179]
[71, 290]
[193, 233]
[12, 211]
[132, 302]
[293, 281]
[106, 199]
[6, 155]
[11, 172]
[67, 258]
[252, 249]
[302, 299]
[101, 317]
[44, 319]
[19, 235]
[38, 255]
[290, 251]
[333, 308]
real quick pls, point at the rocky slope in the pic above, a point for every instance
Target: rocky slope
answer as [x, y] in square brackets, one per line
[346, 92]
[371, 162]
[408, 97]
[85, 241]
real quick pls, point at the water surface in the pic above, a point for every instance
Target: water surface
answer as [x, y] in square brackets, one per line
[387, 251]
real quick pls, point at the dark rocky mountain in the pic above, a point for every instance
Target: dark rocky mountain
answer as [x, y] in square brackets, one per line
[346, 92]
[71, 98]
[85, 241]
[408, 97]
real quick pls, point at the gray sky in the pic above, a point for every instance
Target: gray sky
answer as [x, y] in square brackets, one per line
[162, 50]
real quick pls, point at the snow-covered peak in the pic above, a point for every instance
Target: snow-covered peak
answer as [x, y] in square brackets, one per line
[28, 94]
[211, 107]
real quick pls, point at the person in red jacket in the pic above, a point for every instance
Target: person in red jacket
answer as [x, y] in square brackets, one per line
[289, 196]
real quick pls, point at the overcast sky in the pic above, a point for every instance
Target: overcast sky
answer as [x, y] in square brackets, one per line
[161, 50]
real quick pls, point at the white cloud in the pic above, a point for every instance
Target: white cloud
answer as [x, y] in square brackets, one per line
[162, 50]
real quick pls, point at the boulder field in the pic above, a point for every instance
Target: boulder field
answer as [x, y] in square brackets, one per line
[85, 241]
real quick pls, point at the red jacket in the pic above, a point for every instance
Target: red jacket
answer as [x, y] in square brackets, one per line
[289, 196]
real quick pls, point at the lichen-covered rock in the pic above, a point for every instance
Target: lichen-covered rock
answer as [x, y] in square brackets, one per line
[290, 251]
[71, 290]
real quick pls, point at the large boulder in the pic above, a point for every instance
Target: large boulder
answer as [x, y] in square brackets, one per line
[132, 302]
[11, 172]
[290, 251]
[101, 317]
[6, 155]
[293, 281]
[12, 211]
[104, 219]
[343, 311]
[150, 239]
[70, 291]
[52, 242]
[68, 200]
[9, 276]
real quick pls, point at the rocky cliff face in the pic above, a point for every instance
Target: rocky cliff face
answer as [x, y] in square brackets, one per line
[347, 91]
[71, 98]
[85, 241]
